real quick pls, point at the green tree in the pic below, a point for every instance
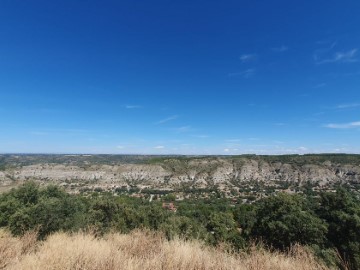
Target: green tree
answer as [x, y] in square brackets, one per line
[221, 225]
[27, 194]
[183, 227]
[284, 220]
[8, 207]
[245, 216]
[341, 210]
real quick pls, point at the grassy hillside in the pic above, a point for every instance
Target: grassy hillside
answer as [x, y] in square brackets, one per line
[138, 250]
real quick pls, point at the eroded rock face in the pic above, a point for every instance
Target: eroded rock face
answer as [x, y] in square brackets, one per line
[198, 172]
[109, 174]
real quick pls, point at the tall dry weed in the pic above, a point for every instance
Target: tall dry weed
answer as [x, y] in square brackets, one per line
[298, 257]
[12, 249]
[139, 250]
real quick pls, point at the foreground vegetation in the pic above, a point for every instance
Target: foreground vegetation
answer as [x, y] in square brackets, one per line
[138, 250]
[328, 224]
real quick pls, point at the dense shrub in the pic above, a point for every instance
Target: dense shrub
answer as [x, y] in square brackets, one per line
[327, 224]
[283, 220]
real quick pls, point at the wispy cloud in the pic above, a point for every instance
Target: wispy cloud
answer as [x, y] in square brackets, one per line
[159, 147]
[344, 125]
[133, 107]
[245, 74]
[326, 56]
[170, 118]
[347, 106]
[282, 48]
[349, 56]
[248, 57]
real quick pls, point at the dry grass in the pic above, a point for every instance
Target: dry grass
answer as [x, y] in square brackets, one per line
[137, 250]
[12, 249]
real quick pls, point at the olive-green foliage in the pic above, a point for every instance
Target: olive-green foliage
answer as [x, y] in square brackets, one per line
[47, 210]
[50, 209]
[326, 224]
[283, 220]
[245, 216]
[169, 198]
[183, 227]
[223, 228]
[341, 210]
[107, 213]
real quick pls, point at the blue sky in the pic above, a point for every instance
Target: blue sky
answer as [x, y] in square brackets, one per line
[180, 77]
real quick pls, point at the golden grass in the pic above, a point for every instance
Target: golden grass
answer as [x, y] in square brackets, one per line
[137, 250]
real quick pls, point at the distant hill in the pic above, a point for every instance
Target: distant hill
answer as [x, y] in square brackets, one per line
[109, 172]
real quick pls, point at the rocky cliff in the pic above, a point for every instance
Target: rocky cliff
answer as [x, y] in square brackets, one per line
[169, 172]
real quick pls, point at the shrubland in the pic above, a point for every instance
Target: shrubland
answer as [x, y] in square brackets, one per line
[265, 232]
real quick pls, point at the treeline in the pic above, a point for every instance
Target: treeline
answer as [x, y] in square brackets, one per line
[19, 160]
[329, 224]
[300, 160]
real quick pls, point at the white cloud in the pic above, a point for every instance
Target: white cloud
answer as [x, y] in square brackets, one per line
[348, 56]
[248, 57]
[337, 57]
[120, 147]
[159, 147]
[170, 118]
[344, 125]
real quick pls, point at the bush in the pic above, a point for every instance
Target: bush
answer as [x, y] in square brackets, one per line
[286, 219]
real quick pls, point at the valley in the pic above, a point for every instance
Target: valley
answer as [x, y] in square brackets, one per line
[247, 176]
